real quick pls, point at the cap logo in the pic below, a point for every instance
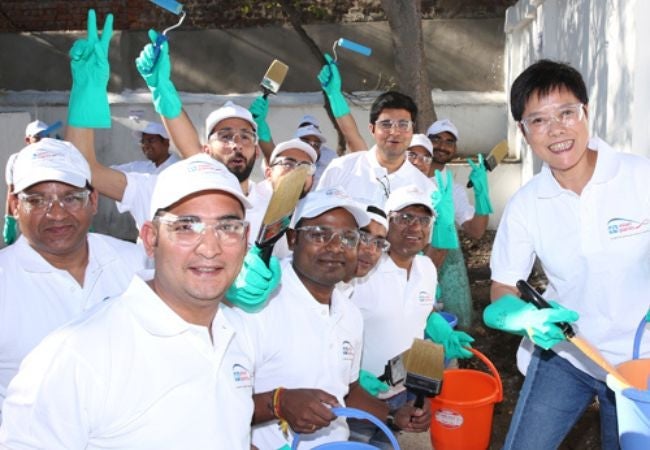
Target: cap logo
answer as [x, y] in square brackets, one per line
[45, 154]
[334, 192]
[202, 166]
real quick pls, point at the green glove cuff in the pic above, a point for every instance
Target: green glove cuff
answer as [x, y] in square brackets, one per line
[10, 230]
[166, 101]
[437, 328]
[88, 108]
[498, 314]
[263, 131]
[339, 105]
[371, 383]
[482, 204]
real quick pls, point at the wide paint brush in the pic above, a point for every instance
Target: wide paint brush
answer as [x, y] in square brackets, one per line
[175, 8]
[529, 294]
[496, 155]
[425, 364]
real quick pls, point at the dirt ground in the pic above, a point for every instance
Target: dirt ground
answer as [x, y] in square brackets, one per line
[500, 348]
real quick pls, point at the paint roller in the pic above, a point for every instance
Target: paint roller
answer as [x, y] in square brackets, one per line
[350, 45]
[175, 8]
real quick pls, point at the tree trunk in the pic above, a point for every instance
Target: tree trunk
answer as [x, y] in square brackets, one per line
[405, 21]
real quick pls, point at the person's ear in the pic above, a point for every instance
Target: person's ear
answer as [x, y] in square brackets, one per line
[149, 236]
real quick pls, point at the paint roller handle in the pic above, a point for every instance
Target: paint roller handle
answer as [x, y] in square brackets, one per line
[160, 40]
[529, 294]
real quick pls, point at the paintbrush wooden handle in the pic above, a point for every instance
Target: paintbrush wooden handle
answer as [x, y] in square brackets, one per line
[593, 354]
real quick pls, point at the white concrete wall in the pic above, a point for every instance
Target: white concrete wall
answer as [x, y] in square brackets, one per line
[480, 117]
[606, 40]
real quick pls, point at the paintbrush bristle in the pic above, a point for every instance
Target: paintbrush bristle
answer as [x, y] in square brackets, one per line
[286, 195]
[497, 154]
[274, 76]
[425, 358]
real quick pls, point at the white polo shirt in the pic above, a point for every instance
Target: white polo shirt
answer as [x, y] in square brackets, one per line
[395, 307]
[463, 209]
[327, 155]
[594, 248]
[133, 374]
[360, 174]
[147, 166]
[36, 298]
[302, 343]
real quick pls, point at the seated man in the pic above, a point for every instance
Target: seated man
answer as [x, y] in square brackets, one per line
[56, 269]
[165, 364]
[309, 337]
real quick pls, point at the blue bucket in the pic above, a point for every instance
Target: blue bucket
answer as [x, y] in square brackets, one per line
[633, 404]
[348, 445]
[450, 318]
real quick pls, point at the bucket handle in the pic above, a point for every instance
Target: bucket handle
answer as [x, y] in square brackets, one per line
[355, 413]
[637, 338]
[493, 370]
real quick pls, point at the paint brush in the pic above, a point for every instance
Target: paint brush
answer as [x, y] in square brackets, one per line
[424, 363]
[529, 294]
[274, 77]
[496, 155]
[175, 8]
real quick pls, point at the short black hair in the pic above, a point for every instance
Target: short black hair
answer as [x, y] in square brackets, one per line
[393, 100]
[542, 77]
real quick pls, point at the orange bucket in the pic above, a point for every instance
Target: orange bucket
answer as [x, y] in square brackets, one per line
[461, 415]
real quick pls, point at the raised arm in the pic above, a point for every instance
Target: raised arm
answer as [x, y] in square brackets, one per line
[330, 80]
[166, 101]
[88, 106]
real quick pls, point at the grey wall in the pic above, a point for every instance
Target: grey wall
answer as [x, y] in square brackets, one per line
[463, 55]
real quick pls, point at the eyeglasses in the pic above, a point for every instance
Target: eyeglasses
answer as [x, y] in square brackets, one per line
[413, 157]
[320, 235]
[39, 203]
[437, 140]
[228, 135]
[188, 230]
[566, 115]
[370, 240]
[315, 143]
[401, 125]
[406, 219]
[290, 164]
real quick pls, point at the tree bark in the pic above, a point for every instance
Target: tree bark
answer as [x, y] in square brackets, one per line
[405, 21]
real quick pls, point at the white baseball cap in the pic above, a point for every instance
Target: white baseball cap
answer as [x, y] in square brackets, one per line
[191, 175]
[308, 119]
[309, 130]
[228, 111]
[152, 128]
[290, 144]
[318, 202]
[421, 140]
[378, 215]
[442, 125]
[407, 196]
[50, 160]
[35, 127]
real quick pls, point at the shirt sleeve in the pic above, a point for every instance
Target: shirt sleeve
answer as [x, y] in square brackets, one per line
[137, 196]
[464, 210]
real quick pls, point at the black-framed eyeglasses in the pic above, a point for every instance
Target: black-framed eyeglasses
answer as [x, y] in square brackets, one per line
[39, 203]
[188, 230]
[401, 125]
[406, 219]
[378, 243]
[322, 235]
[290, 164]
[414, 157]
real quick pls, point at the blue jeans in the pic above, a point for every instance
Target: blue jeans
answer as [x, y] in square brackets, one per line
[364, 431]
[554, 396]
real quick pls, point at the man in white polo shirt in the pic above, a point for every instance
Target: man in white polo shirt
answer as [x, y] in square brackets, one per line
[166, 364]
[56, 269]
[154, 142]
[309, 337]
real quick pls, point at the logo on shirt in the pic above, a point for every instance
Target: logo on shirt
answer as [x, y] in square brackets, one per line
[620, 227]
[242, 376]
[348, 351]
[425, 298]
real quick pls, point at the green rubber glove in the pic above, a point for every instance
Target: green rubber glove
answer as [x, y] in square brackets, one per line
[444, 233]
[157, 73]
[255, 281]
[10, 230]
[260, 110]
[478, 177]
[371, 383]
[647, 316]
[330, 82]
[88, 104]
[454, 342]
[514, 315]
